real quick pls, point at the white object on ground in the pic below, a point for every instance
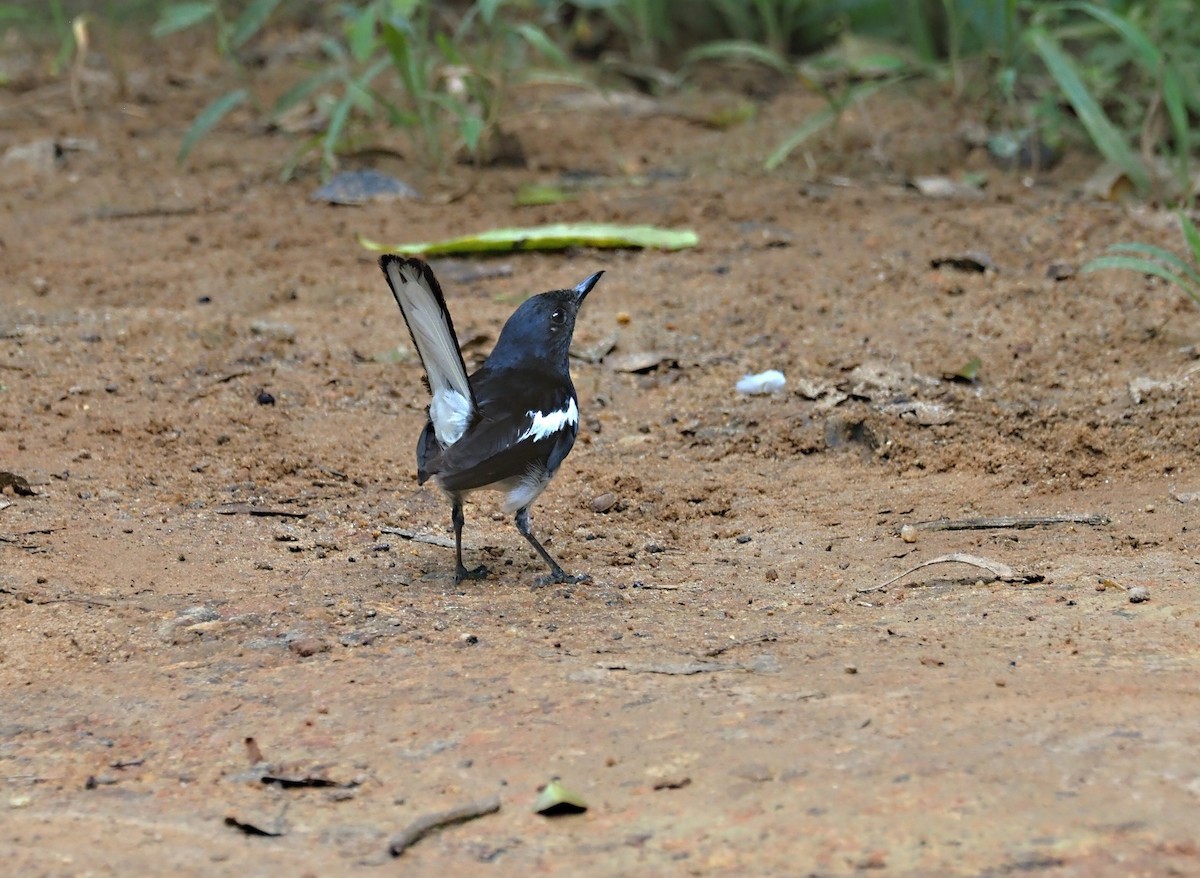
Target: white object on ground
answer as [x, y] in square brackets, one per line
[763, 382]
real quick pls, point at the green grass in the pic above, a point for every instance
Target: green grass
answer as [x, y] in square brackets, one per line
[1120, 75]
[1158, 262]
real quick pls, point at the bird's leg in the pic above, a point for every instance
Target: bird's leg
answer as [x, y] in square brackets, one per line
[460, 571]
[556, 574]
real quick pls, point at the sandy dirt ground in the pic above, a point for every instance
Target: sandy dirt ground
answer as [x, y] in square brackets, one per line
[731, 693]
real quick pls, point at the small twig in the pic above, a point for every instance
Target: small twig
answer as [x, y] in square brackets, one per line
[1013, 521]
[122, 213]
[258, 511]
[224, 379]
[429, 539]
[715, 651]
[430, 823]
[271, 829]
[679, 669]
[1002, 572]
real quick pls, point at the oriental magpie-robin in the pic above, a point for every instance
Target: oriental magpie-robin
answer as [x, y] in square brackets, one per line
[509, 425]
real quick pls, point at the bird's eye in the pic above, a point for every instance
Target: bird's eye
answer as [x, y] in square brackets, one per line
[559, 317]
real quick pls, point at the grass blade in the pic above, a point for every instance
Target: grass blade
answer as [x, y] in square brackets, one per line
[542, 44]
[1144, 266]
[337, 125]
[810, 126]
[250, 22]
[1134, 36]
[398, 47]
[1107, 139]
[212, 114]
[1169, 259]
[1191, 234]
[821, 120]
[361, 35]
[303, 89]
[180, 16]
[738, 50]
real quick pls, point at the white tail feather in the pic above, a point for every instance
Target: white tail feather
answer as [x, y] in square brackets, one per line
[451, 409]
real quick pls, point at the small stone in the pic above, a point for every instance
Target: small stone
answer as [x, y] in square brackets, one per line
[604, 502]
[771, 575]
[623, 318]
[755, 772]
[193, 615]
[908, 533]
[265, 398]
[1139, 594]
[743, 539]
[874, 860]
[308, 646]
[274, 331]
[41, 286]
[469, 639]
[851, 669]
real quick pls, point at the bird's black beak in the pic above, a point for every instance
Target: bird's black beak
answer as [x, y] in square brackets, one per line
[584, 288]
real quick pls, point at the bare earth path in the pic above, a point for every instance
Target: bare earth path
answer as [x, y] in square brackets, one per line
[725, 693]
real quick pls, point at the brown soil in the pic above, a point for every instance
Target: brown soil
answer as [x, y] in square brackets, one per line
[724, 693]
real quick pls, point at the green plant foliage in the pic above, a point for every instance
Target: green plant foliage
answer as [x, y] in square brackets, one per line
[443, 80]
[1124, 74]
[1108, 140]
[1121, 67]
[1157, 261]
[231, 36]
[821, 120]
[212, 114]
[181, 16]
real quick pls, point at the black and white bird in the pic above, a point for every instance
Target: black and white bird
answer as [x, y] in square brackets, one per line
[509, 425]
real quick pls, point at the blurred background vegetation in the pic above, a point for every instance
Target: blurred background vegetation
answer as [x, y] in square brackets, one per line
[1121, 76]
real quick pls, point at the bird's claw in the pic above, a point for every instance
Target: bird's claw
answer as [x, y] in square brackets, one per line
[462, 573]
[557, 577]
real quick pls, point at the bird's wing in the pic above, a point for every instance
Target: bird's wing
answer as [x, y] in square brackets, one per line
[419, 296]
[523, 425]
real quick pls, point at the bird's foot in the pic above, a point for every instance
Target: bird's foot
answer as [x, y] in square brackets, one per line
[462, 573]
[560, 576]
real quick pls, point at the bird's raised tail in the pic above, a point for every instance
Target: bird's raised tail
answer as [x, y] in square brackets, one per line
[421, 302]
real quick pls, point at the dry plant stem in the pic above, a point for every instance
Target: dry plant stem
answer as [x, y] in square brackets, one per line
[428, 539]
[1012, 521]
[999, 571]
[430, 823]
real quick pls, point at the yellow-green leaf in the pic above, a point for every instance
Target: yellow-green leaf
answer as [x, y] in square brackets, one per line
[552, 237]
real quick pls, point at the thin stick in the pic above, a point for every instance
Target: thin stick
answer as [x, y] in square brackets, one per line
[999, 571]
[429, 539]
[430, 823]
[257, 511]
[1013, 521]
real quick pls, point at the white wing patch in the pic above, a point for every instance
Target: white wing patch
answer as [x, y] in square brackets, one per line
[544, 424]
[450, 411]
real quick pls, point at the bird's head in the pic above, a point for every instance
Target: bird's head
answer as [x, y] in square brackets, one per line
[540, 330]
